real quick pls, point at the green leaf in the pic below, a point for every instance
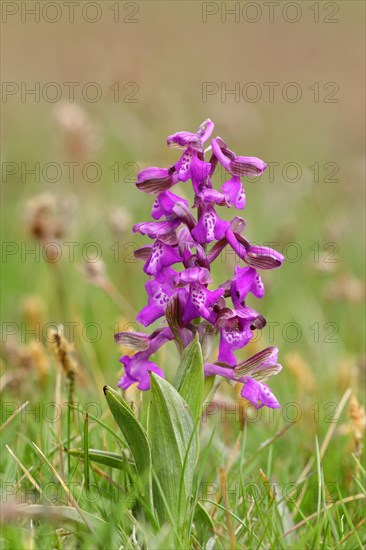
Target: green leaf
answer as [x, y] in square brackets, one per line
[190, 379]
[113, 460]
[133, 432]
[174, 449]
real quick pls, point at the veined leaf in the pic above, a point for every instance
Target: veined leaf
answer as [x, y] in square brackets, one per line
[174, 449]
[190, 379]
[133, 432]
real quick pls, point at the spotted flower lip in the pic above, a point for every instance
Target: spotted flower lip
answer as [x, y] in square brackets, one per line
[199, 301]
[209, 227]
[158, 298]
[190, 166]
[259, 395]
[237, 165]
[234, 193]
[184, 299]
[161, 255]
[244, 281]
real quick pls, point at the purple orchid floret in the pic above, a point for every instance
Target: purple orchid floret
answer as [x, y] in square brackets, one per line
[183, 297]
[234, 193]
[162, 255]
[158, 297]
[138, 367]
[164, 203]
[251, 373]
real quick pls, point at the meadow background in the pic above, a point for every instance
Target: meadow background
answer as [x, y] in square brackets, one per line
[153, 62]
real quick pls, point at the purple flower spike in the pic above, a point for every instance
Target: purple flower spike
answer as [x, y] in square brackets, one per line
[184, 298]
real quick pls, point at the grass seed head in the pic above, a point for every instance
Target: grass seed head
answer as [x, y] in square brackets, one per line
[357, 416]
[62, 352]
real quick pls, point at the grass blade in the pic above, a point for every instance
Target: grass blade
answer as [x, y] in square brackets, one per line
[86, 452]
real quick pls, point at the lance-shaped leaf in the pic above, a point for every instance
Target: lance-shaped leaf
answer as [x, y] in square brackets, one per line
[190, 379]
[174, 449]
[133, 432]
[113, 460]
